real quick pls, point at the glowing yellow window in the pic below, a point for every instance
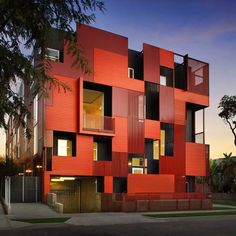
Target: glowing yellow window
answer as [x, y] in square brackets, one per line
[162, 142]
[95, 151]
[156, 150]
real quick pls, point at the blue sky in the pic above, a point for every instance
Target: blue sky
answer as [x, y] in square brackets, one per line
[206, 30]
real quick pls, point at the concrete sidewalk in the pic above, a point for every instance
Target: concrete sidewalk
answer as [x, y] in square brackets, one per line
[4, 221]
[39, 210]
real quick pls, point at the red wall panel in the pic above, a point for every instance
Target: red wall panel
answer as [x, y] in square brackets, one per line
[166, 104]
[166, 58]
[151, 63]
[180, 112]
[191, 97]
[195, 159]
[108, 184]
[111, 68]
[152, 129]
[120, 140]
[81, 164]
[119, 164]
[179, 149]
[151, 183]
[119, 102]
[135, 125]
[63, 114]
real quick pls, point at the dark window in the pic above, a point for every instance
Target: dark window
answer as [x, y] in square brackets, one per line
[152, 100]
[48, 158]
[152, 161]
[64, 143]
[166, 76]
[167, 139]
[103, 152]
[190, 183]
[135, 60]
[137, 164]
[181, 72]
[100, 184]
[107, 91]
[120, 185]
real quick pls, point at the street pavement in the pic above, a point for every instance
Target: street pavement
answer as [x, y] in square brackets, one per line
[39, 210]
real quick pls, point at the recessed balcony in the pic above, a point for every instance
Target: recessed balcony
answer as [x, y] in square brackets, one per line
[96, 116]
[98, 123]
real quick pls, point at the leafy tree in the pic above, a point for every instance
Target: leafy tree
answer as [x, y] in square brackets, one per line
[8, 167]
[25, 25]
[227, 106]
[223, 174]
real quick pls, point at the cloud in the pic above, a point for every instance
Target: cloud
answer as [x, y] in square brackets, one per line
[203, 33]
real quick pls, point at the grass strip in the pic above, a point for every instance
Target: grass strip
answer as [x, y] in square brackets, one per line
[224, 202]
[43, 220]
[221, 213]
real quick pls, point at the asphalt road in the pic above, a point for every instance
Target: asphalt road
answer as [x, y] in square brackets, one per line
[209, 226]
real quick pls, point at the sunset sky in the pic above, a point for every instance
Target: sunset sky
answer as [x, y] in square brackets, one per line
[204, 29]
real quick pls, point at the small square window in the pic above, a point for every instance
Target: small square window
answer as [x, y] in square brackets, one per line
[64, 147]
[53, 54]
[163, 80]
[130, 72]
[137, 170]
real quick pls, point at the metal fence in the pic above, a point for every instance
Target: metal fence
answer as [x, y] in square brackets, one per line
[25, 189]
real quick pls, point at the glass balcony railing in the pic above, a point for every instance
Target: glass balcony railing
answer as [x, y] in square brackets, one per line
[97, 123]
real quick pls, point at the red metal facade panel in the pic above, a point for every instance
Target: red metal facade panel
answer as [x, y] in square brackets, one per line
[179, 149]
[151, 183]
[180, 185]
[112, 69]
[191, 97]
[166, 58]
[151, 63]
[63, 114]
[82, 164]
[120, 140]
[195, 159]
[91, 38]
[135, 125]
[108, 184]
[167, 165]
[119, 102]
[152, 129]
[119, 164]
[180, 112]
[102, 168]
[198, 77]
[166, 104]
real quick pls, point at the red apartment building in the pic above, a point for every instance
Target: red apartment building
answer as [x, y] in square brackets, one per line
[127, 137]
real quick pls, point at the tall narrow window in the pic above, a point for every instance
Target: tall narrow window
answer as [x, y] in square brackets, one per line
[35, 124]
[162, 142]
[95, 151]
[156, 149]
[141, 108]
[167, 139]
[130, 72]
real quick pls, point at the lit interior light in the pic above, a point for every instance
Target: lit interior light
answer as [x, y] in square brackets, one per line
[57, 180]
[39, 167]
[67, 178]
[28, 171]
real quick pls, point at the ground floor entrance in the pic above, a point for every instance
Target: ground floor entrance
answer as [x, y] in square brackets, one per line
[76, 194]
